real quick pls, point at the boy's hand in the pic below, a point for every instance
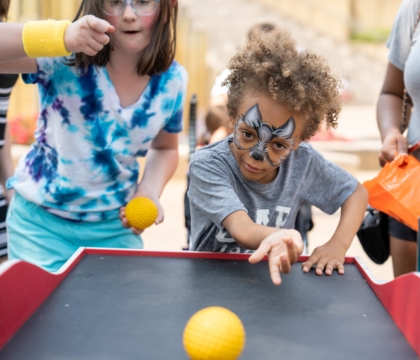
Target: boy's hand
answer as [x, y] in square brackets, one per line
[87, 35]
[158, 220]
[329, 257]
[283, 249]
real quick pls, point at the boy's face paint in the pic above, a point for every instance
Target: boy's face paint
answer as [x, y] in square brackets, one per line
[264, 141]
[264, 136]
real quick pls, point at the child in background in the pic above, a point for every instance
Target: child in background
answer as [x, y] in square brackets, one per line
[245, 191]
[217, 124]
[120, 96]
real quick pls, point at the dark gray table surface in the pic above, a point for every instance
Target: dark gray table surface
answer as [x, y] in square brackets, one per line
[117, 307]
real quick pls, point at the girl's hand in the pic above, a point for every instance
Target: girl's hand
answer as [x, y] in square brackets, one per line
[394, 142]
[87, 35]
[283, 249]
[329, 257]
[158, 220]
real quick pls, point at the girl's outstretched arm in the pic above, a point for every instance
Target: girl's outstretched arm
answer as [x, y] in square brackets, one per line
[87, 35]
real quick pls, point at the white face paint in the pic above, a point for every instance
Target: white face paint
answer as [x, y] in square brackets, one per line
[264, 141]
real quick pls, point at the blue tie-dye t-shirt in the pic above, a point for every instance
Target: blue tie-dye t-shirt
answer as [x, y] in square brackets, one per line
[83, 164]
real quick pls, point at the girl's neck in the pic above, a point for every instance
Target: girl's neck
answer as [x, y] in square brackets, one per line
[123, 63]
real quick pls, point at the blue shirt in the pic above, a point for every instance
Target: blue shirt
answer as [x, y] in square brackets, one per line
[83, 164]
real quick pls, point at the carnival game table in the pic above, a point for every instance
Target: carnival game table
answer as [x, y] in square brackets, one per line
[134, 304]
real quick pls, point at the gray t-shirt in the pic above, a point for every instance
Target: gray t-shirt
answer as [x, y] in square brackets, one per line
[218, 189]
[404, 54]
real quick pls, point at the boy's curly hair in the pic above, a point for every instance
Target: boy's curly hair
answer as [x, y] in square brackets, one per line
[272, 65]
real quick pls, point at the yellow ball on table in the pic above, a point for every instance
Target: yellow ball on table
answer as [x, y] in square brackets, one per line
[141, 212]
[214, 333]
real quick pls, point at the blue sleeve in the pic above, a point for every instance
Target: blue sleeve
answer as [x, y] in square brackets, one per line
[175, 124]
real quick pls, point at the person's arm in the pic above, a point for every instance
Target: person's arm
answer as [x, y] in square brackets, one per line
[389, 115]
[87, 35]
[331, 255]
[282, 246]
[6, 164]
[161, 163]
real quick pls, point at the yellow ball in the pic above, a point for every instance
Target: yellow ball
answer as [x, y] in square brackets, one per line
[214, 333]
[141, 212]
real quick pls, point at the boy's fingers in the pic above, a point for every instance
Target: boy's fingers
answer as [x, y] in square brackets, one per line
[320, 267]
[285, 263]
[273, 266]
[329, 268]
[340, 268]
[259, 254]
[307, 265]
[291, 250]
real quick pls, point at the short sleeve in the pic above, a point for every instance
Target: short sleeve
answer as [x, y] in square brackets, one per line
[211, 189]
[401, 37]
[174, 124]
[45, 71]
[328, 186]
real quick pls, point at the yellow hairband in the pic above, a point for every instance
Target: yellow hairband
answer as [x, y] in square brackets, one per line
[45, 38]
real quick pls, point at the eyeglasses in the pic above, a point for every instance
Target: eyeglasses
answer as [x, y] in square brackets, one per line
[140, 7]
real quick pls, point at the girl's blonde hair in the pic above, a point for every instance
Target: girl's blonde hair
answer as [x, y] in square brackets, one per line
[156, 57]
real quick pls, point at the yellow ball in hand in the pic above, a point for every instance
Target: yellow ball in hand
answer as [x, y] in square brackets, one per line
[214, 333]
[141, 212]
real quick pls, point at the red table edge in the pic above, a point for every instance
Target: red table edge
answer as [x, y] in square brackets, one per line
[400, 297]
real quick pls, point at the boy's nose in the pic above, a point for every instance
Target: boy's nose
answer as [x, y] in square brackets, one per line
[257, 156]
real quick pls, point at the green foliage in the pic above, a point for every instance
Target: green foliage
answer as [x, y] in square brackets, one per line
[379, 35]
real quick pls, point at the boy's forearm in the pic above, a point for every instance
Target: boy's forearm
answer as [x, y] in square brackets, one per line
[248, 234]
[160, 166]
[352, 213]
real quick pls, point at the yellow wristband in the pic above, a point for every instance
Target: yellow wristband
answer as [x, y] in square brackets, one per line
[45, 38]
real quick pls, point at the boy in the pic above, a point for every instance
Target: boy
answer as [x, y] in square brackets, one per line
[245, 191]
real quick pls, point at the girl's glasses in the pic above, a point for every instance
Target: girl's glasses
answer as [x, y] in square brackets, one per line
[140, 7]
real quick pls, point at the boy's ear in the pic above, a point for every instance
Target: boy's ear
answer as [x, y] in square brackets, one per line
[231, 123]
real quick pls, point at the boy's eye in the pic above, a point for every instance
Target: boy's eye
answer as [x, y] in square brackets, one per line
[278, 146]
[141, 2]
[247, 135]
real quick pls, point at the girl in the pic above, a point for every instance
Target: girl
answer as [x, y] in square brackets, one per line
[118, 97]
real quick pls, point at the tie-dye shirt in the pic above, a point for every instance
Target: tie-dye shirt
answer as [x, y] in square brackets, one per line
[83, 164]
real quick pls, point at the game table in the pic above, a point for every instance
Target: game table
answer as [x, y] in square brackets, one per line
[134, 304]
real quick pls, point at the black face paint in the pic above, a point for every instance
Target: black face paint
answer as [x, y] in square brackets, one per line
[264, 142]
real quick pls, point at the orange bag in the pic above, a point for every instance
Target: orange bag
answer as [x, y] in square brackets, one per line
[396, 190]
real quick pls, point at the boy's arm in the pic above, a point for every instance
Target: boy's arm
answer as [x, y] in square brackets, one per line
[283, 246]
[331, 255]
[161, 163]
[87, 35]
